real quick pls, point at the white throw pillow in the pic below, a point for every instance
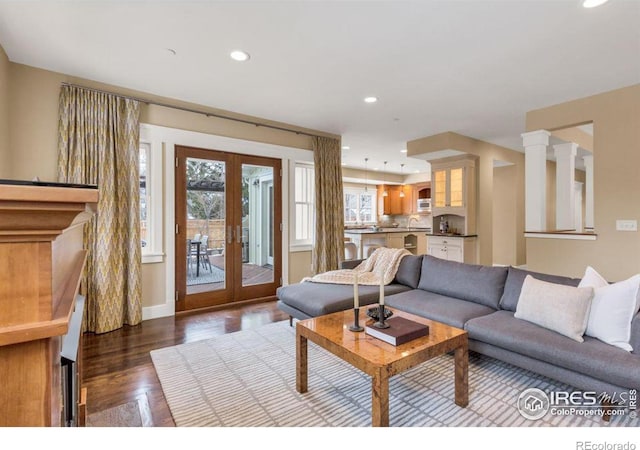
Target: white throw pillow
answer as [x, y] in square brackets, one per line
[560, 308]
[612, 309]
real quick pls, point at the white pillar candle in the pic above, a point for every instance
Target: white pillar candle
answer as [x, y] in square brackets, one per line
[356, 301]
[381, 289]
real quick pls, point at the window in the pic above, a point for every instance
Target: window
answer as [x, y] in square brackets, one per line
[359, 206]
[144, 193]
[304, 196]
[150, 204]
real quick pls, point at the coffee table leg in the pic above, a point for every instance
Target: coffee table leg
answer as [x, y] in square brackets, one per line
[301, 362]
[462, 375]
[380, 399]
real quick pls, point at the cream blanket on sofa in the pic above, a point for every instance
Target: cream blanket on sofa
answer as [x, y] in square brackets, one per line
[383, 261]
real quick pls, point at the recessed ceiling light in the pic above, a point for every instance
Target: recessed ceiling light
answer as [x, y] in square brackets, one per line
[403, 151]
[593, 3]
[239, 55]
[416, 171]
[376, 169]
[345, 147]
[370, 99]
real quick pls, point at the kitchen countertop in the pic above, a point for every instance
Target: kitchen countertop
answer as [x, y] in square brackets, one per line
[453, 235]
[387, 230]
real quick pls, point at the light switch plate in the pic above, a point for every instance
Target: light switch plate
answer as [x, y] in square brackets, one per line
[626, 225]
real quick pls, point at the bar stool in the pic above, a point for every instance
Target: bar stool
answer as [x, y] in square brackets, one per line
[350, 251]
[369, 249]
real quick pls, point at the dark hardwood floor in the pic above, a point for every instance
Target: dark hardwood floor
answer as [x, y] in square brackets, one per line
[117, 366]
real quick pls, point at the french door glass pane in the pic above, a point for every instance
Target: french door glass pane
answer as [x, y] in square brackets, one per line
[206, 225]
[257, 229]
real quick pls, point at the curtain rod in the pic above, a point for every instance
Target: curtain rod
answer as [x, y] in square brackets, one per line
[195, 111]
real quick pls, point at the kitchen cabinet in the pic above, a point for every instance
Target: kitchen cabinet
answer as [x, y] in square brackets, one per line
[413, 241]
[422, 190]
[392, 204]
[418, 191]
[459, 249]
[395, 204]
[409, 200]
[395, 240]
[421, 245]
[454, 188]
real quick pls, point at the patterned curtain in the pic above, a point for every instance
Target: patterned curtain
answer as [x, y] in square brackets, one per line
[98, 144]
[328, 250]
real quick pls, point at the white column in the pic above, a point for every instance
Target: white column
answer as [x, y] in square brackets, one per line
[535, 159]
[588, 210]
[577, 210]
[565, 185]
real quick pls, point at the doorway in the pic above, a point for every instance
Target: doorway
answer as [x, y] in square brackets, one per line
[228, 227]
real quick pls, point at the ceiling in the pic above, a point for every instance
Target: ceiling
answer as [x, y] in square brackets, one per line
[472, 67]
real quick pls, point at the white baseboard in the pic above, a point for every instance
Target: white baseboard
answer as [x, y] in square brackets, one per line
[157, 311]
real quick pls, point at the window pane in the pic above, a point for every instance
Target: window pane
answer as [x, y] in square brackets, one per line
[350, 207]
[303, 204]
[366, 214]
[143, 194]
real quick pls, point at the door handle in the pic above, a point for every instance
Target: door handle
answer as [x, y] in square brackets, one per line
[238, 235]
[229, 235]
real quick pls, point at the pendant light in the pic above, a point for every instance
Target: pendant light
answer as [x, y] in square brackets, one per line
[402, 175]
[365, 175]
[384, 188]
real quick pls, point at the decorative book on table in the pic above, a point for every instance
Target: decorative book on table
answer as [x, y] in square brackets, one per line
[400, 330]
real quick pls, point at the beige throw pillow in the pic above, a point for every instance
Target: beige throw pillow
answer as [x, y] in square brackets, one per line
[563, 309]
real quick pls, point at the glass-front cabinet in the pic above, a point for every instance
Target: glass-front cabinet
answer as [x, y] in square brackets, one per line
[440, 188]
[454, 188]
[450, 186]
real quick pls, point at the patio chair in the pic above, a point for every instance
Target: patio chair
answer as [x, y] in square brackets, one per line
[204, 252]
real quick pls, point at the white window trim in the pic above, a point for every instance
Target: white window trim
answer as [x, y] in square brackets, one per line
[153, 251]
[374, 212]
[295, 244]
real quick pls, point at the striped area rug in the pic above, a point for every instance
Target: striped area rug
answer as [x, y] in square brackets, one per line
[247, 379]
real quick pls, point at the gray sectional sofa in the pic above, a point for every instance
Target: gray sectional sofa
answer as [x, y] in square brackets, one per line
[482, 300]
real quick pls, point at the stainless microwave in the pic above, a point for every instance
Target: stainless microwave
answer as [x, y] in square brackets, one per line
[424, 204]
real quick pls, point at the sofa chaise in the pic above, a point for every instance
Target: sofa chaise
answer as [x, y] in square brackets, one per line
[483, 300]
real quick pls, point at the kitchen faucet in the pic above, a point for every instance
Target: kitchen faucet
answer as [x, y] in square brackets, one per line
[409, 221]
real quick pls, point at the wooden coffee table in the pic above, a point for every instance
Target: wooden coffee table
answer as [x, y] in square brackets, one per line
[377, 358]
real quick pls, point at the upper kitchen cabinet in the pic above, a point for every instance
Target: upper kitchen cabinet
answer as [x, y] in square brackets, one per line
[391, 204]
[396, 204]
[454, 185]
[421, 191]
[407, 200]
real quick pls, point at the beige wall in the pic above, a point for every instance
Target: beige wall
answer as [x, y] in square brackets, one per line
[33, 102]
[299, 266]
[5, 160]
[504, 221]
[487, 153]
[33, 106]
[373, 177]
[616, 142]
[575, 134]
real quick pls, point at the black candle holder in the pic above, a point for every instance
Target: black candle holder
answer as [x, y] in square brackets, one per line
[356, 321]
[381, 323]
